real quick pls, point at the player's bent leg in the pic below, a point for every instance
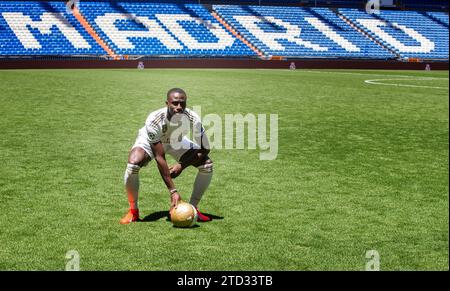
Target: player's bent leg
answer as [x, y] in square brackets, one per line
[205, 170]
[201, 183]
[136, 159]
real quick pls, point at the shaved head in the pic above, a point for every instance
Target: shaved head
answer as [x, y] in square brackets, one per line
[175, 90]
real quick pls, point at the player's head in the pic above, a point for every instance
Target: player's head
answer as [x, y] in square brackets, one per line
[176, 101]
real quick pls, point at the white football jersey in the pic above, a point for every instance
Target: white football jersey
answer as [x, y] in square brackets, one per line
[159, 129]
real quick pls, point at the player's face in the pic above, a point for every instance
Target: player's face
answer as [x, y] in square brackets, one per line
[176, 103]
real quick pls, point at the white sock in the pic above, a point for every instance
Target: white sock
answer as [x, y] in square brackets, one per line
[131, 180]
[201, 183]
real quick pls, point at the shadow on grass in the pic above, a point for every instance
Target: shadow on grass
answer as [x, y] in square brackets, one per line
[156, 216]
[165, 214]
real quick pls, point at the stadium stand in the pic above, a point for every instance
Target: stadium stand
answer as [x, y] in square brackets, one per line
[30, 28]
[300, 32]
[186, 29]
[162, 29]
[435, 5]
[428, 5]
[439, 17]
[408, 33]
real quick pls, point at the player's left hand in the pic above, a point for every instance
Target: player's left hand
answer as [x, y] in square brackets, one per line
[175, 170]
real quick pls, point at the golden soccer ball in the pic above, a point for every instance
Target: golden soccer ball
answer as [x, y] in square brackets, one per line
[183, 215]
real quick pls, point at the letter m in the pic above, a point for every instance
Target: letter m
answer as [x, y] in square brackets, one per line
[21, 24]
[239, 120]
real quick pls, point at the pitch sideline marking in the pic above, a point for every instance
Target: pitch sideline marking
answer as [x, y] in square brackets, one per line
[365, 74]
[350, 73]
[377, 82]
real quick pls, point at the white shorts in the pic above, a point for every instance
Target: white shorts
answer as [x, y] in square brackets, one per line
[176, 153]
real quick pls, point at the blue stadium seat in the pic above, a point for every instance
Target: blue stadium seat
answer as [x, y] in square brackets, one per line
[185, 28]
[300, 32]
[409, 34]
[169, 29]
[42, 28]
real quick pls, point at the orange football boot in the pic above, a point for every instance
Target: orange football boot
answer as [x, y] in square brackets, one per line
[131, 216]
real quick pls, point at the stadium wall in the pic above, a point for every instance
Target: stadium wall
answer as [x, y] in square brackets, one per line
[222, 63]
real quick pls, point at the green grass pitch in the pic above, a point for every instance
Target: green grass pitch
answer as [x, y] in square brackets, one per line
[360, 167]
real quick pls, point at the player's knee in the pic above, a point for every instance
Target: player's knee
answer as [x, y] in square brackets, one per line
[133, 169]
[207, 167]
[134, 161]
[138, 158]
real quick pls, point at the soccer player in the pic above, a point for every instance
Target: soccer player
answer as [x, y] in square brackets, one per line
[165, 132]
